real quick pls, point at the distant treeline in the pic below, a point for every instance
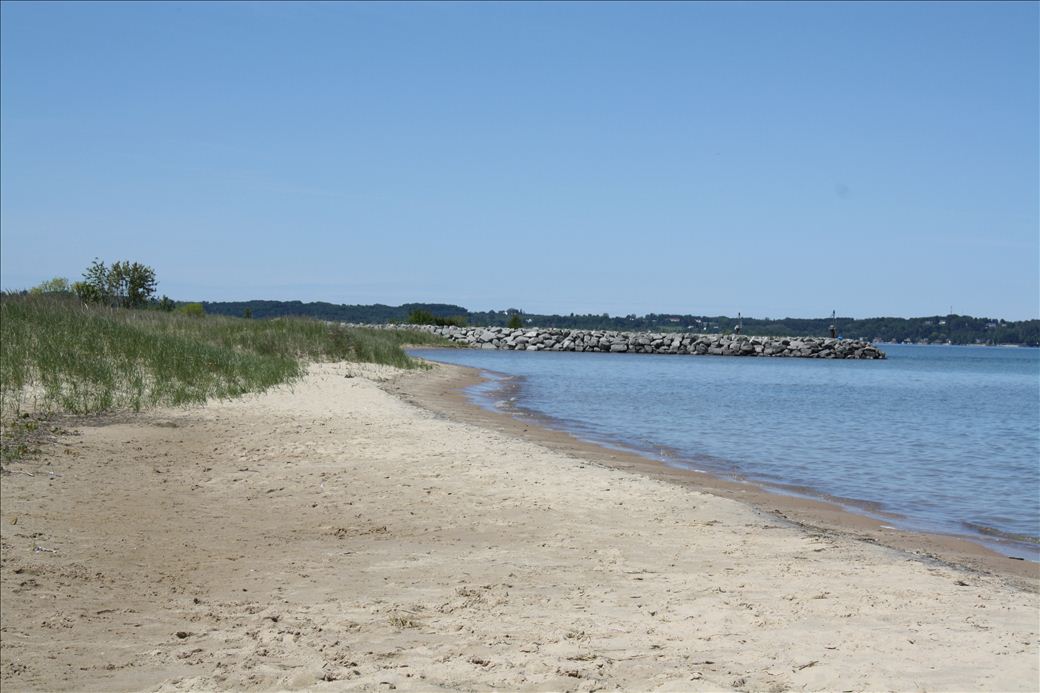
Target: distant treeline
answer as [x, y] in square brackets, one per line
[956, 329]
[374, 314]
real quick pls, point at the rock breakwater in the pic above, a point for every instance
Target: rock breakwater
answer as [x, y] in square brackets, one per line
[550, 339]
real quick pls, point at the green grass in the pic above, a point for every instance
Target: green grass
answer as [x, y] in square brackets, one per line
[59, 355]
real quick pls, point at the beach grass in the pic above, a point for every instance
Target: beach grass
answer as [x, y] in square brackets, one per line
[59, 355]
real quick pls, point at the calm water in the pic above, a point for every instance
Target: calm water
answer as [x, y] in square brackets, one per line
[947, 438]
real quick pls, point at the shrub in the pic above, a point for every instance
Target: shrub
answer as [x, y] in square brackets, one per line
[420, 317]
[425, 317]
[58, 285]
[194, 310]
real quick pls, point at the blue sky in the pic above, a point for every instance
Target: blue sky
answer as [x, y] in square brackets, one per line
[774, 159]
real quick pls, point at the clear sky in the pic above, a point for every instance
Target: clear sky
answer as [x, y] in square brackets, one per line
[774, 159]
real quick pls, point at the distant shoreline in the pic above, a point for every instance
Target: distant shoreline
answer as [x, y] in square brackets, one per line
[997, 346]
[962, 329]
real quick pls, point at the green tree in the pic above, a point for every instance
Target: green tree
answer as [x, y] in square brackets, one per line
[131, 283]
[94, 287]
[127, 284]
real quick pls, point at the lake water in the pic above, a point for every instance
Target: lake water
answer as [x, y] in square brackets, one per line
[947, 438]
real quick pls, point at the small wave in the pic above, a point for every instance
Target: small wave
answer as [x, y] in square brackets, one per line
[988, 531]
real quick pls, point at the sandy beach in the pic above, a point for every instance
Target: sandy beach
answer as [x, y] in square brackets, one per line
[366, 528]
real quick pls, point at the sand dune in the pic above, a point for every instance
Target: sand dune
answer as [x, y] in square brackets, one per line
[333, 535]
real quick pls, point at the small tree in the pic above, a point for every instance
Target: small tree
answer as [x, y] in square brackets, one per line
[127, 284]
[132, 284]
[94, 287]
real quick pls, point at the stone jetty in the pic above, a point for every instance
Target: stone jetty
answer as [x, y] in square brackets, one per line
[550, 339]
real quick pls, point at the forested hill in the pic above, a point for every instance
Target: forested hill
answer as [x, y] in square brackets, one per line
[957, 329]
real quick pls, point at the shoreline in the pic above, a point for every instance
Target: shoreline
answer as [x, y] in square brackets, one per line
[444, 392]
[337, 535]
[987, 537]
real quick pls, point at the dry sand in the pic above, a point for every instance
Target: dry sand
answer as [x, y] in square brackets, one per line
[334, 535]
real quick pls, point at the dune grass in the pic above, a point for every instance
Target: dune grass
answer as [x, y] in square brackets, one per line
[58, 355]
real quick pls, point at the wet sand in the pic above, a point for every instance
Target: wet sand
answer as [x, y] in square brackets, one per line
[334, 535]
